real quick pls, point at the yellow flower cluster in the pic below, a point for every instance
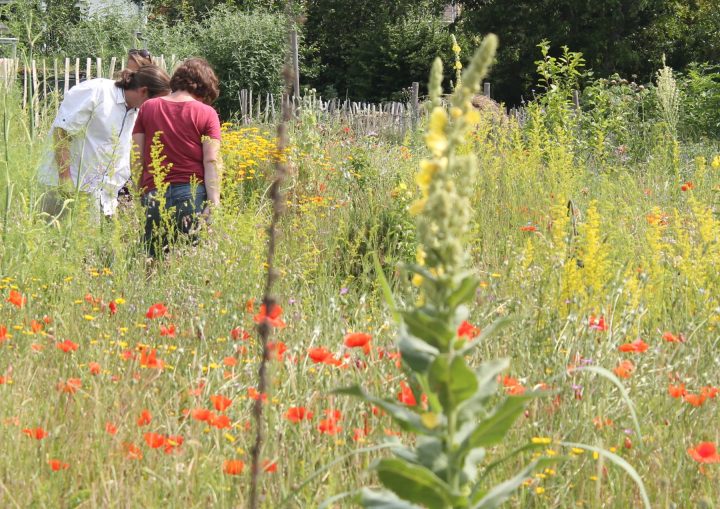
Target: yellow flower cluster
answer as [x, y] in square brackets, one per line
[247, 152]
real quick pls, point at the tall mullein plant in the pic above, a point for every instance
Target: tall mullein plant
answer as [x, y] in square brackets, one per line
[463, 414]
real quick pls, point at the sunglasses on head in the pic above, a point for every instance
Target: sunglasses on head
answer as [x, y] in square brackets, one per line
[140, 52]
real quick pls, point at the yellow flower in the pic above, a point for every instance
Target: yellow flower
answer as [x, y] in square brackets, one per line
[456, 48]
[541, 440]
[458, 65]
[716, 162]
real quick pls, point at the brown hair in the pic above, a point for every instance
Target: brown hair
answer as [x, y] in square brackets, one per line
[140, 57]
[153, 77]
[197, 77]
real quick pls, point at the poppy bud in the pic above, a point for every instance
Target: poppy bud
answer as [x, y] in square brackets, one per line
[628, 443]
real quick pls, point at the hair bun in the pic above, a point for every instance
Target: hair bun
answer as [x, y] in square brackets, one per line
[126, 79]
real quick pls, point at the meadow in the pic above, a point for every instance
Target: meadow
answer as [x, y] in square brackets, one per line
[593, 231]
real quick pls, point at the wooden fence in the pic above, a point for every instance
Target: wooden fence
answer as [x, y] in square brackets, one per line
[42, 82]
[365, 118]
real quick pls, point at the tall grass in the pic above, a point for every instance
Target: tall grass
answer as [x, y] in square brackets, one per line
[634, 248]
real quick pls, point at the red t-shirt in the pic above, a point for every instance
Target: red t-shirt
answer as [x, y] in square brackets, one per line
[183, 126]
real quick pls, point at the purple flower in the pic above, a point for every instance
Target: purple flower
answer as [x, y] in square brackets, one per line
[344, 291]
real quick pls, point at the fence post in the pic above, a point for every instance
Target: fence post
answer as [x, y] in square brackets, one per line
[576, 99]
[88, 69]
[67, 75]
[77, 71]
[111, 72]
[415, 103]
[486, 89]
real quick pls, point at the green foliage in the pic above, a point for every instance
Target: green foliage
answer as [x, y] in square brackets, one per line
[246, 49]
[372, 49]
[461, 417]
[700, 98]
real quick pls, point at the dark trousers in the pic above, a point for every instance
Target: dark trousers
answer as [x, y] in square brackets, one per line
[176, 218]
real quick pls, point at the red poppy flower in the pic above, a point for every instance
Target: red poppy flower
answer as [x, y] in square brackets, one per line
[406, 396]
[230, 361]
[297, 414]
[597, 324]
[329, 425]
[145, 418]
[513, 386]
[638, 346]
[358, 340]
[279, 348]
[677, 391]
[4, 336]
[70, 386]
[132, 451]
[56, 465]
[36, 433]
[255, 395]
[319, 354]
[110, 428]
[221, 403]
[624, 369]
[709, 392]
[201, 414]
[112, 307]
[528, 228]
[219, 421]
[16, 299]
[94, 368]
[468, 330]
[704, 452]
[233, 467]
[148, 359]
[156, 311]
[154, 440]
[696, 400]
[36, 326]
[671, 338]
[168, 331]
[238, 333]
[273, 318]
[687, 186]
[172, 442]
[67, 346]
[269, 466]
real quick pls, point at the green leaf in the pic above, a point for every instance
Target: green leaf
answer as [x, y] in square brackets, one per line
[414, 483]
[404, 416]
[429, 453]
[431, 329]
[493, 429]
[623, 392]
[470, 467]
[486, 377]
[417, 354]
[385, 286]
[487, 333]
[384, 500]
[500, 493]
[619, 462]
[452, 380]
[464, 293]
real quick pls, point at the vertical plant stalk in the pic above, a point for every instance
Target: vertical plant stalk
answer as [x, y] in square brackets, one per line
[264, 328]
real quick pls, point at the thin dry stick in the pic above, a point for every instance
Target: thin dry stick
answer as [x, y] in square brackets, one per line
[264, 328]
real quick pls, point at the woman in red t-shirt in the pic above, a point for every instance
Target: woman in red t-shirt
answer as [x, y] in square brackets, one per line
[187, 167]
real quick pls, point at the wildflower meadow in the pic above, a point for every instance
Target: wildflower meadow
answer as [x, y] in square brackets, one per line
[492, 308]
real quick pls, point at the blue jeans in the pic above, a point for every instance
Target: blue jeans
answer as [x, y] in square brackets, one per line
[178, 218]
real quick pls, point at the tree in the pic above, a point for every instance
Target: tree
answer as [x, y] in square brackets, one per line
[371, 50]
[613, 35]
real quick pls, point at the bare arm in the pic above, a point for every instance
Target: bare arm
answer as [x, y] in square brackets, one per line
[213, 169]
